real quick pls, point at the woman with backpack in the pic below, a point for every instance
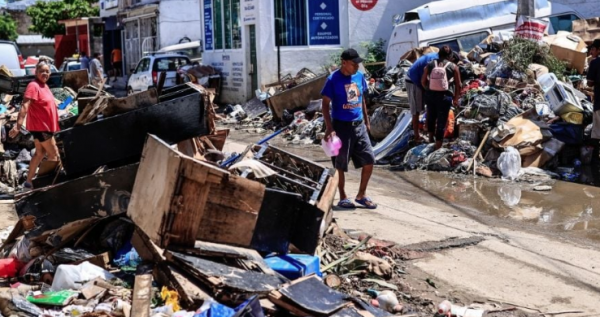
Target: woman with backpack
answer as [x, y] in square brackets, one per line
[441, 81]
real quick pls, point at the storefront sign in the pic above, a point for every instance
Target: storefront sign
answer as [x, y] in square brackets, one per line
[324, 19]
[364, 5]
[248, 12]
[208, 25]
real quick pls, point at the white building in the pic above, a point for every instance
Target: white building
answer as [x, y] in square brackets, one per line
[240, 36]
[149, 25]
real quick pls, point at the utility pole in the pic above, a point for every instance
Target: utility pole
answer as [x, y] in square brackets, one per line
[526, 8]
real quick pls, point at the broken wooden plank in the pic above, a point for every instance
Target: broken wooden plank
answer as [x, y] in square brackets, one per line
[192, 294]
[310, 294]
[224, 276]
[248, 258]
[147, 250]
[141, 297]
[122, 137]
[97, 195]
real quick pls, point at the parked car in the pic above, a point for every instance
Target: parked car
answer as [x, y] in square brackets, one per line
[193, 50]
[461, 27]
[10, 56]
[146, 73]
[70, 64]
[30, 69]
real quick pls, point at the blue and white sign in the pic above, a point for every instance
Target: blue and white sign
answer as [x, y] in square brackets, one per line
[208, 25]
[324, 22]
[248, 12]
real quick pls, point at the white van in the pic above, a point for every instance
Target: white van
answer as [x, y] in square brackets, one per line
[193, 50]
[463, 24]
[11, 58]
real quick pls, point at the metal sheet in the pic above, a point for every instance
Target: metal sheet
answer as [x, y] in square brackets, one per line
[122, 137]
[401, 133]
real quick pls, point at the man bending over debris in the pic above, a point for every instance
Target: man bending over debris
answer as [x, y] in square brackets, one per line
[415, 90]
[344, 89]
[593, 80]
[441, 80]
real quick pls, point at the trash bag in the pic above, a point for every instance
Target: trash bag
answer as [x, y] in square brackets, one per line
[439, 160]
[73, 276]
[487, 105]
[511, 112]
[509, 163]
[116, 234]
[382, 122]
[417, 155]
[568, 133]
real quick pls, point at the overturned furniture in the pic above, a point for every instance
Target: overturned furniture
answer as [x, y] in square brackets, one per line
[296, 97]
[177, 200]
[98, 195]
[120, 139]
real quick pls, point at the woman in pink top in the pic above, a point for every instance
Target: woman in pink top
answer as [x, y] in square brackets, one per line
[42, 119]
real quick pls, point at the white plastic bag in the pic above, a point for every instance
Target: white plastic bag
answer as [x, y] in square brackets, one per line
[509, 163]
[74, 276]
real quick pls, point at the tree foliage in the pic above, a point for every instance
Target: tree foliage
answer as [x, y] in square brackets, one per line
[45, 15]
[8, 28]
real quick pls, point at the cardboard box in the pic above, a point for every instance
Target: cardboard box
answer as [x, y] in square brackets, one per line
[569, 48]
[588, 30]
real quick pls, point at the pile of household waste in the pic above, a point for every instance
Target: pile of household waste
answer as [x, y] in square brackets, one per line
[515, 115]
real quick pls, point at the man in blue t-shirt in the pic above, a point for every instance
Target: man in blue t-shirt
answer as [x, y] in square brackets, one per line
[414, 90]
[344, 90]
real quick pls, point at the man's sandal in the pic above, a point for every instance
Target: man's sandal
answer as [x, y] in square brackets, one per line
[366, 202]
[346, 203]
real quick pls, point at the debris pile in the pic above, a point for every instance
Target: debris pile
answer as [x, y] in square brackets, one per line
[516, 97]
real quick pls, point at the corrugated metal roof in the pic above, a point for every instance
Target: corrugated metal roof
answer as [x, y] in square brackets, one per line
[21, 5]
[34, 39]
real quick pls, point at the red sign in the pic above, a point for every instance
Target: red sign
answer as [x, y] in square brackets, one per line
[364, 5]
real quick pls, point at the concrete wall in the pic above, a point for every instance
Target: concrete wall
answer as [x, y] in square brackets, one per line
[355, 27]
[23, 21]
[178, 19]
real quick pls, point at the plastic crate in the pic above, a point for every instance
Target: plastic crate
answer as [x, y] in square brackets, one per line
[294, 266]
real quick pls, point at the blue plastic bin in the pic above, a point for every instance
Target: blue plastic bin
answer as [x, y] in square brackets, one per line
[294, 266]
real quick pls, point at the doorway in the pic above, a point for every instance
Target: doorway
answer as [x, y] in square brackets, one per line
[253, 59]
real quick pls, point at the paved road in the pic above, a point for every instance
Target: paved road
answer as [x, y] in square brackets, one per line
[519, 262]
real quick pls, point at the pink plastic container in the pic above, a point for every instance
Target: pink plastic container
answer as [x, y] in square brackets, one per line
[331, 147]
[8, 267]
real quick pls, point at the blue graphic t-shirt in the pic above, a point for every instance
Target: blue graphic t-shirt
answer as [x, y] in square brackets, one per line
[346, 94]
[415, 72]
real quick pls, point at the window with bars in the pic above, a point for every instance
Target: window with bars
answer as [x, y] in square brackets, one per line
[226, 25]
[291, 22]
[306, 22]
